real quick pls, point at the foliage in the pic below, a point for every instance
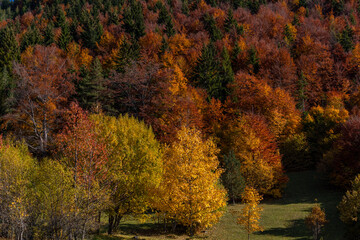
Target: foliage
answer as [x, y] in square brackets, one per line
[134, 165]
[315, 221]
[190, 192]
[250, 213]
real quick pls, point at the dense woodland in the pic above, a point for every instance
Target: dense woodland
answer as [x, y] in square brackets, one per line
[173, 108]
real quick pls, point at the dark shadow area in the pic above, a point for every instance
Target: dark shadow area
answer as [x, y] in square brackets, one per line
[296, 229]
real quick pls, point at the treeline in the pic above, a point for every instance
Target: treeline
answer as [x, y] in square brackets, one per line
[225, 93]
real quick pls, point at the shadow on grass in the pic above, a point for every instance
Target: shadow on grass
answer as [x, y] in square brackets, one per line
[295, 229]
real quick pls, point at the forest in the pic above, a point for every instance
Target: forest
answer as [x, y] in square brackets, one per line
[175, 111]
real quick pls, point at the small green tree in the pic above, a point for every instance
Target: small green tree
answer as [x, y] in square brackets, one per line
[9, 48]
[234, 182]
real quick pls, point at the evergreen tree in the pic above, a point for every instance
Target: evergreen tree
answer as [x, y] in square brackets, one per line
[6, 91]
[206, 73]
[164, 47]
[230, 23]
[210, 26]
[163, 15]
[169, 28]
[185, 7]
[92, 31]
[233, 181]
[302, 93]
[254, 60]
[49, 34]
[31, 37]
[9, 49]
[134, 20]
[60, 17]
[226, 74]
[127, 53]
[346, 38]
[89, 89]
[65, 37]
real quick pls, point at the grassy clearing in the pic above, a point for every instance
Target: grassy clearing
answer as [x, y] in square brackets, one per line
[281, 219]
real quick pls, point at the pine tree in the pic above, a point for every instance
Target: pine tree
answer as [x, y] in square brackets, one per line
[230, 23]
[226, 74]
[128, 52]
[210, 26]
[206, 73]
[31, 37]
[346, 38]
[185, 7]
[134, 20]
[89, 89]
[60, 17]
[163, 15]
[93, 30]
[6, 91]
[234, 182]
[164, 47]
[65, 37]
[254, 60]
[49, 34]
[9, 49]
[169, 28]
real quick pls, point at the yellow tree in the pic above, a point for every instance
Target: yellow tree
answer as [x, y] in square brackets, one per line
[190, 193]
[250, 213]
[316, 220]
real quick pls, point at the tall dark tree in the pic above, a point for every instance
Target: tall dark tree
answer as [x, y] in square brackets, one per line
[230, 23]
[31, 37]
[49, 34]
[6, 91]
[226, 74]
[9, 49]
[346, 38]
[206, 73]
[233, 181]
[91, 86]
[253, 60]
[65, 37]
[134, 20]
[92, 30]
[210, 26]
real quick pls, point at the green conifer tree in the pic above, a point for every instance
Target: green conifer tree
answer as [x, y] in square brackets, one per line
[210, 26]
[233, 181]
[230, 23]
[134, 20]
[90, 88]
[65, 37]
[93, 30]
[206, 73]
[226, 74]
[9, 49]
[346, 38]
[185, 7]
[49, 34]
[31, 37]
[254, 60]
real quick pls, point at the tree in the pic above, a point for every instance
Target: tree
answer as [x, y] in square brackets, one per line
[92, 29]
[134, 20]
[31, 37]
[7, 86]
[210, 26]
[88, 163]
[316, 220]
[134, 165]
[250, 213]
[230, 23]
[65, 37]
[90, 89]
[16, 167]
[190, 192]
[9, 48]
[42, 89]
[233, 181]
[346, 38]
[206, 73]
[349, 209]
[49, 36]
[226, 74]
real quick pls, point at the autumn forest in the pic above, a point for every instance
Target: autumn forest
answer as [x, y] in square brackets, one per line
[172, 111]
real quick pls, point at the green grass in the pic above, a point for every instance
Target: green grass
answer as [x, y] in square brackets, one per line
[281, 219]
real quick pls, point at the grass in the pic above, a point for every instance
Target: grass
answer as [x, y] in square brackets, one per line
[281, 219]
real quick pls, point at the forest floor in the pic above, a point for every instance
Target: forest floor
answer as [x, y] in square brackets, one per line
[281, 219]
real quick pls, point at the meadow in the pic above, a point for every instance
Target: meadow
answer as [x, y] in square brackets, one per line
[282, 219]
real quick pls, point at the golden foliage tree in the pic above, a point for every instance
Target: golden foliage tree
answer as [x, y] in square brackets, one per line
[191, 194]
[250, 213]
[316, 220]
